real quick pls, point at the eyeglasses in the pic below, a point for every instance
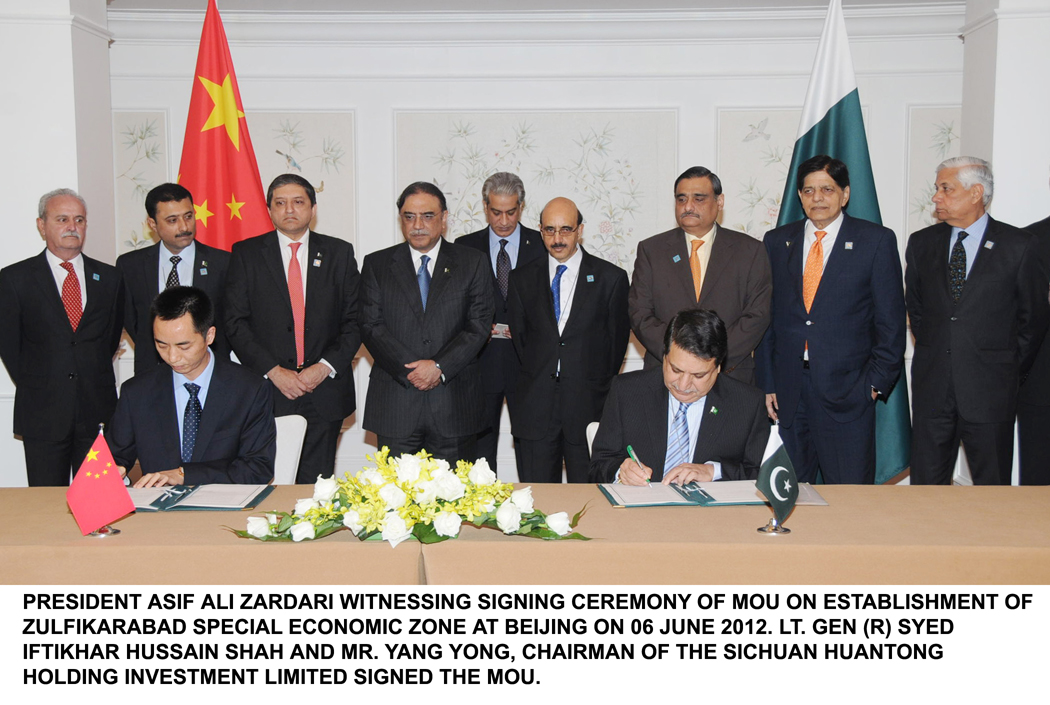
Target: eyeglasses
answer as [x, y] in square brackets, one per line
[564, 230]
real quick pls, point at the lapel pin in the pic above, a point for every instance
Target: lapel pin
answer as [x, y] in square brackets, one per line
[204, 264]
[317, 263]
[590, 277]
[676, 259]
[989, 245]
[446, 270]
[95, 277]
[204, 271]
[714, 409]
[849, 245]
[787, 243]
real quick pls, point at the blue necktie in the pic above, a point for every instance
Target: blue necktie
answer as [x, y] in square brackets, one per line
[556, 290]
[191, 421]
[678, 439]
[423, 277]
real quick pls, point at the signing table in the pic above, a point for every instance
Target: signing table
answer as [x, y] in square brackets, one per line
[868, 535]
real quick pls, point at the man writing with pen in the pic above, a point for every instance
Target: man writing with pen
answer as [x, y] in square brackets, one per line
[683, 421]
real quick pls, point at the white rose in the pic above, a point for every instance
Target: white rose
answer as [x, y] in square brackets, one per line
[352, 521]
[426, 491]
[273, 519]
[395, 530]
[305, 505]
[371, 476]
[447, 524]
[558, 523]
[488, 506]
[325, 489]
[258, 527]
[442, 466]
[449, 487]
[304, 530]
[393, 495]
[481, 474]
[522, 499]
[508, 517]
[408, 468]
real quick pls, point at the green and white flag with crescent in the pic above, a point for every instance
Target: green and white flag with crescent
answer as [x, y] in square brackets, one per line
[832, 124]
[776, 479]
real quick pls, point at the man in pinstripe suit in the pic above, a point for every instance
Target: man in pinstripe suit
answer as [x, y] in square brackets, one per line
[426, 312]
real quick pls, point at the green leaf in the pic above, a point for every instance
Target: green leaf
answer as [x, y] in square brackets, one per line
[426, 533]
[285, 523]
[579, 515]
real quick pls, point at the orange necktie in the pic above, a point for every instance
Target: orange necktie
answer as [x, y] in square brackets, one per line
[694, 266]
[814, 269]
[295, 294]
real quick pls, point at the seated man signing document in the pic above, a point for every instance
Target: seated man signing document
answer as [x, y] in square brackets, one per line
[683, 421]
[198, 420]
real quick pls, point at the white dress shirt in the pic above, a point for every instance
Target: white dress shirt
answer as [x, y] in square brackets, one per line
[185, 266]
[61, 274]
[567, 283]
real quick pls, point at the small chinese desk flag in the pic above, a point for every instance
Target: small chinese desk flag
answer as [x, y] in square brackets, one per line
[97, 494]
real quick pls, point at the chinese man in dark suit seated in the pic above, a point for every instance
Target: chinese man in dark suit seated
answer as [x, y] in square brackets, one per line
[199, 419]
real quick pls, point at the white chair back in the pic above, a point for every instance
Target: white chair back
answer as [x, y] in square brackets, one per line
[290, 433]
[592, 431]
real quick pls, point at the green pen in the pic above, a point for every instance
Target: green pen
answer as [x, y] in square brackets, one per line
[630, 452]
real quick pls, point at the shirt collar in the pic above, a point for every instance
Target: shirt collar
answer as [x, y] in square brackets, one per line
[573, 263]
[512, 238]
[832, 228]
[976, 229]
[417, 256]
[187, 253]
[286, 241]
[203, 379]
[55, 261]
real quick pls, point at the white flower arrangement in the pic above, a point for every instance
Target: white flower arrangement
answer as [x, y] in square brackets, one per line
[413, 496]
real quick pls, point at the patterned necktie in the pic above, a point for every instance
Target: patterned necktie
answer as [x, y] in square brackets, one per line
[678, 439]
[295, 295]
[173, 276]
[694, 266]
[814, 270]
[71, 296]
[191, 421]
[503, 268]
[556, 291]
[957, 268]
[423, 277]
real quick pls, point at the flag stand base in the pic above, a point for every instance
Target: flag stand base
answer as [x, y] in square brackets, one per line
[774, 527]
[105, 531]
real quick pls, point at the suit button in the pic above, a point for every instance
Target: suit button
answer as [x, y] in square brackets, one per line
[561, 345]
[948, 352]
[72, 375]
[73, 343]
[809, 323]
[426, 342]
[954, 318]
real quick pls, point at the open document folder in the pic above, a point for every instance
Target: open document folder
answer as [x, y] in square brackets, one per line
[198, 497]
[700, 494]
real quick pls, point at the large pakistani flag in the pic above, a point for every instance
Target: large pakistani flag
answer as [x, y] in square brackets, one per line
[832, 124]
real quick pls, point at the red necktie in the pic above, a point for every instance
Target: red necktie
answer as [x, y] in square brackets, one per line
[295, 293]
[71, 296]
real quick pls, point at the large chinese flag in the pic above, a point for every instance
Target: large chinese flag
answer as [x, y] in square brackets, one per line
[218, 162]
[97, 494]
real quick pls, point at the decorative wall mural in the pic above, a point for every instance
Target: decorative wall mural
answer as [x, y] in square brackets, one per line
[933, 136]
[320, 148]
[140, 143]
[754, 155]
[614, 165]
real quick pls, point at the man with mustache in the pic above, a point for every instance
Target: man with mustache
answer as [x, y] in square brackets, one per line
[683, 421]
[426, 312]
[700, 264]
[176, 260]
[61, 320]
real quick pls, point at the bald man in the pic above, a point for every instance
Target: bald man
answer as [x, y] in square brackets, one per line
[569, 323]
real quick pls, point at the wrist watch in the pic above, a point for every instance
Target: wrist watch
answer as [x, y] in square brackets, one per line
[438, 365]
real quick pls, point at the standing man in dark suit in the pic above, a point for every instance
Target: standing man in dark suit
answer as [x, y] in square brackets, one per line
[200, 419]
[508, 245]
[836, 340]
[684, 420]
[977, 300]
[291, 315]
[426, 312]
[568, 312]
[177, 260]
[1033, 401]
[700, 264]
[60, 317]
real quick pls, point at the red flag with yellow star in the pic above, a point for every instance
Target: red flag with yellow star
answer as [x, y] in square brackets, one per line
[97, 494]
[218, 162]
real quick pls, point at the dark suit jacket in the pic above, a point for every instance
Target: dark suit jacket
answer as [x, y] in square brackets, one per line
[451, 331]
[736, 287]
[591, 349]
[60, 377]
[499, 362]
[139, 269]
[1035, 390]
[259, 320]
[734, 430]
[236, 439]
[987, 342]
[856, 328]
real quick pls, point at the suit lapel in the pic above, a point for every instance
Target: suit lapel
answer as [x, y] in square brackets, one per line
[656, 420]
[317, 279]
[214, 409]
[200, 266]
[942, 241]
[167, 418]
[44, 280]
[795, 253]
[271, 254]
[403, 272]
[711, 426]
[93, 286]
[721, 255]
[544, 295]
[836, 259]
[583, 294]
[984, 254]
[444, 270]
[681, 274]
[152, 282]
[530, 247]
